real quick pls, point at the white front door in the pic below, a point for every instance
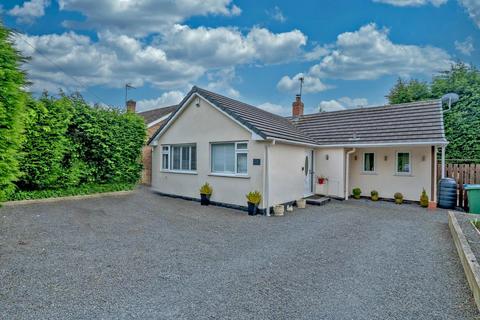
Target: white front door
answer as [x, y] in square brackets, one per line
[308, 172]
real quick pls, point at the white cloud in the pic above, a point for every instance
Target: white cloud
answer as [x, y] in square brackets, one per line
[473, 9]
[412, 3]
[310, 84]
[166, 99]
[277, 14]
[275, 108]
[29, 11]
[223, 47]
[220, 81]
[368, 54]
[342, 104]
[466, 47]
[140, 17]
[112, 61]
[316, 53]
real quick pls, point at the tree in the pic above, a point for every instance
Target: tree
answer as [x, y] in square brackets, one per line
[46, 143]
[409, 91]
[462, 122]
[12, 101]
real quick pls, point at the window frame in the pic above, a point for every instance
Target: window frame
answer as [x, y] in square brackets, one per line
[182, 147]
[374, 163]
[167, 153]
[410, 169]
[237, 151]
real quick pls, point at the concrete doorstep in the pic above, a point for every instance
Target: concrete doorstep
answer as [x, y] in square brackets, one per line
[468, 259]
[68, 198]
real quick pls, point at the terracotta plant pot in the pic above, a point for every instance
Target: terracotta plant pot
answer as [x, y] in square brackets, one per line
[432, 205]
[279, 210]
[374, 198]
[301, 203]
[398, 201]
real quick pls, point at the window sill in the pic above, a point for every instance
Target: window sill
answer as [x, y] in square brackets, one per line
[371, 173]
[403, 174]
[179, 172]
[226, 175]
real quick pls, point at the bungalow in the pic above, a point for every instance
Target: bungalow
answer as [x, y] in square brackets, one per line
[238, 148]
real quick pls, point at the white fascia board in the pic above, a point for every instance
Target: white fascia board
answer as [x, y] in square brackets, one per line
[151, 124]
[393, 144]
[285, 141]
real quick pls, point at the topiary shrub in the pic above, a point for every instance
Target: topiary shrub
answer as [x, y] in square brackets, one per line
[254, 197]
[398, 198]
[374, 195]
[356, 193]
[424, 199]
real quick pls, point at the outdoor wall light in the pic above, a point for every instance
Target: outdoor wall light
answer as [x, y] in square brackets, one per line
[385, 158]
[355, 157]
[326, 157]
[423, 158]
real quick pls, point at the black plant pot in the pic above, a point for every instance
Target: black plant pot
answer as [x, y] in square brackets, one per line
[204, 199]
[252, 209]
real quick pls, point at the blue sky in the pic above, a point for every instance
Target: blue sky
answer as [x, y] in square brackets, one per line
[350, 51]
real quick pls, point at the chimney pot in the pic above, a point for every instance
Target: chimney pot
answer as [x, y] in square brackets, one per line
[297, 106]
[131, 106]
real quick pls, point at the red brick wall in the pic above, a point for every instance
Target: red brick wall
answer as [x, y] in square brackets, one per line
[147, 157]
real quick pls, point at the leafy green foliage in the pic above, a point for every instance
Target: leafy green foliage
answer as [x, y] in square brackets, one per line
[254, 197]
[108, 142]
[70, 191]
[12, 101]
[409, 91]
[356, 193]
[462, 122]
[424, 199]
[46, 143]
[206, 189]
[374, 195]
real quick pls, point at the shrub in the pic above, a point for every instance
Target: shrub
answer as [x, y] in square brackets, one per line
[206, 189]
[70, 191]
[398, 198]
[254, 197]
[356, 193]
[424, 199]
[46, 143]
[12, 104]
[374, 195]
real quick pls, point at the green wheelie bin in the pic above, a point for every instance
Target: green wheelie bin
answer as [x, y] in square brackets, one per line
[473, 194]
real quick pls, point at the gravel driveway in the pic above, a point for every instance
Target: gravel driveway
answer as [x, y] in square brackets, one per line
[145, 256]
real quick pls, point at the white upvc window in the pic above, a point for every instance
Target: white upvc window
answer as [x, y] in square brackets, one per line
[403, 163]
[165, 157]
[179, 157]
[229, 158]
[369, 162]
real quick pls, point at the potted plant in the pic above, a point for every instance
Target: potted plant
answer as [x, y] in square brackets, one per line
[253, 199]
[374, 195]
[301, 203]
[356, 193]
[322, 180]
[398, 198]
[205, 194]
[279, 209]
[424, 199]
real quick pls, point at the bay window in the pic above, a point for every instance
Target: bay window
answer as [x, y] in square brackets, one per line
[229, 158]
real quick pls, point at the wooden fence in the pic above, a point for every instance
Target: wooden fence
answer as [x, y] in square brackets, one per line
[464, 174]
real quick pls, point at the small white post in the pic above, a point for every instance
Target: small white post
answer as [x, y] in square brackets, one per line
[443, 162]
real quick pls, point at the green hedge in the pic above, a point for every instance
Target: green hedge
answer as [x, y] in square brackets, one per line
[12, 101]
[70, 191]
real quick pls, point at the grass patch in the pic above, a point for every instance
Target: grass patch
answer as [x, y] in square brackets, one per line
[476, 223]
[71, 191]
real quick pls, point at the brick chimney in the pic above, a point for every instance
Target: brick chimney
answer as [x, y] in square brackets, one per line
[297, 106]
[131, 106]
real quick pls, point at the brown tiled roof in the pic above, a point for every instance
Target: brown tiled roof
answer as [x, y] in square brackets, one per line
[418, 122]
[155, 114]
